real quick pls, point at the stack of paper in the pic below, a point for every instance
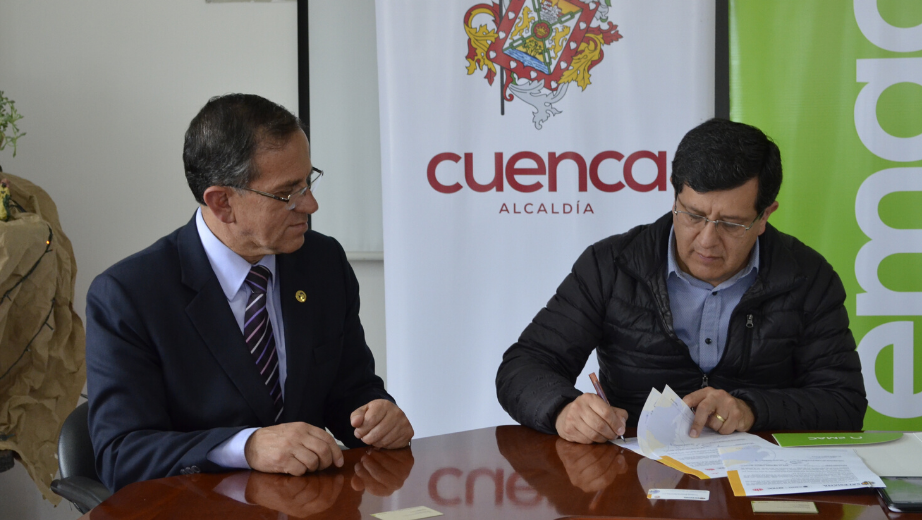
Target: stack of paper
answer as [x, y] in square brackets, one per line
[760, 470]
[757, 467]
[662, 434]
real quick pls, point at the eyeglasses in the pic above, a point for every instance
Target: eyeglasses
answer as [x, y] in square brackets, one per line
[728, 229]
[294, 198]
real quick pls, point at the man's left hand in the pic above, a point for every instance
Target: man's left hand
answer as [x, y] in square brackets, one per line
[719, 410]
[382, 424]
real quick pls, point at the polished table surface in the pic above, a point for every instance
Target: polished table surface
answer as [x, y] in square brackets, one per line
[507, 472]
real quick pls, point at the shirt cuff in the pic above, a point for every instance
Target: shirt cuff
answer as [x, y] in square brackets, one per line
[230, 453]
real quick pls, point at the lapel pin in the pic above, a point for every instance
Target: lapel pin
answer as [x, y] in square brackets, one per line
[301, 296]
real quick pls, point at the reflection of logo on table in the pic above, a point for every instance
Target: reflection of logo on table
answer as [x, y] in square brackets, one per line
[540, 47]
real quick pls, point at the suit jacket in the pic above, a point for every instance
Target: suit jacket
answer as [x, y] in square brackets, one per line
[169, 376]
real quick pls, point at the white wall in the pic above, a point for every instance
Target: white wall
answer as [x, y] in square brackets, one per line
[108, 87]
[371, 281]
[345, 126]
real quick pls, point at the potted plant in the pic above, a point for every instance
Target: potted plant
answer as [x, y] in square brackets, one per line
[9, 132]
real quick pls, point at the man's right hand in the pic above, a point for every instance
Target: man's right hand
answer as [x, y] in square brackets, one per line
[292, 448]
[589, 419]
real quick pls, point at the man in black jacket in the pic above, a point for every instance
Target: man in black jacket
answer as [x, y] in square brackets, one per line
[746, 322]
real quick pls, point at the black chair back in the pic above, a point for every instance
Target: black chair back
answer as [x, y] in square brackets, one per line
[79, 481]
[75, 450]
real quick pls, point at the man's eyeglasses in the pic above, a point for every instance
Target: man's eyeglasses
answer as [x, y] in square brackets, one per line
[294, 198]
[697, 222]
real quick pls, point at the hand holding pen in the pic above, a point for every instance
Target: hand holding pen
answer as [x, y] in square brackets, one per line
[600, 392]
[588, 419]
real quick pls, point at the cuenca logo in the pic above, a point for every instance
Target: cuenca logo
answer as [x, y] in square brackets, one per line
[540, 47]
[537, 48]
[524, 172]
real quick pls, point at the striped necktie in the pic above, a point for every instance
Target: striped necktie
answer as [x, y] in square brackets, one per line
[257, 330]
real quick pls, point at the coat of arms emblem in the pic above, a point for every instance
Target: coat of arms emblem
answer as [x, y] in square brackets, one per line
[539, 47]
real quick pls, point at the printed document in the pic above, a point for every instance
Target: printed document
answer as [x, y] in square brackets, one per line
[662, 434]
[757, 470]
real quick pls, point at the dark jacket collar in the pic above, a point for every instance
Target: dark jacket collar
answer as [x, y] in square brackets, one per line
[214, 321]
[196, 270]
[220, 332]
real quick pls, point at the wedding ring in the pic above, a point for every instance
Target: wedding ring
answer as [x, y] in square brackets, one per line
[719, 418]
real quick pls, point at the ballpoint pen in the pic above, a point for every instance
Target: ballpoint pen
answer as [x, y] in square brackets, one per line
[600, 392]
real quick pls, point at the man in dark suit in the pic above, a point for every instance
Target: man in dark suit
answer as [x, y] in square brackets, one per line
[234, 341]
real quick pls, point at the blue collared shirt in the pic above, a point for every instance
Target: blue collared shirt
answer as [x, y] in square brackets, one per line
[231, 270]
[700, 311]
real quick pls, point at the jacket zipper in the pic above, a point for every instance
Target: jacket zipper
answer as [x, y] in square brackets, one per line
[749, 319]
[747, 344]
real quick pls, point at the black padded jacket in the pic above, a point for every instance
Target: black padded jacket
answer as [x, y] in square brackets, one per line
[790, 354]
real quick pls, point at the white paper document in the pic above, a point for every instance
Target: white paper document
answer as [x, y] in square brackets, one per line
[702, 458]
[662, 434]
[899, 458]
[757, 470]
[629, 443]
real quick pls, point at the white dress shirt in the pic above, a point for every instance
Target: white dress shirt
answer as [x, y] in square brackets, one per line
[231, 270]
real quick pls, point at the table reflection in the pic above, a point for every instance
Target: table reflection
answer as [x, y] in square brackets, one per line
[602, 479]
[573, 477]
[381, 472]
[298, 497]
[653, 475]
[332, 493]
[591, 467]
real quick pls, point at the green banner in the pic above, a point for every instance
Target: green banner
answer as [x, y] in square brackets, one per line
[838, 86]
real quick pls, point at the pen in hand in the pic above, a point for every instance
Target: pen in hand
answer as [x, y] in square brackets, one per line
[600, 392]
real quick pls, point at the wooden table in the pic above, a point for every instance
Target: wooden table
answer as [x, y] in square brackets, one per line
[507, 472]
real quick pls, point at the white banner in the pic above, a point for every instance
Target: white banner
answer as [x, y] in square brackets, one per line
[489, 199]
